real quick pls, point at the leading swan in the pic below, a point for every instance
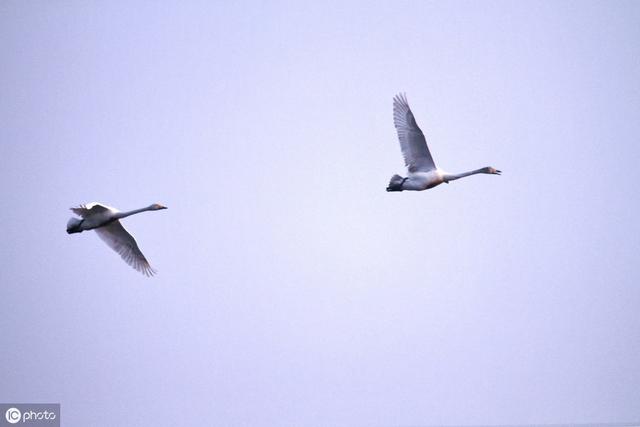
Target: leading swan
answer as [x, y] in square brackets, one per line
[105, 221]
[422, 171]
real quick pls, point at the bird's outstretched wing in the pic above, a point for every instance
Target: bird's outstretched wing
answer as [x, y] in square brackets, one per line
[84, 211]
[416, 154]
[125, 245]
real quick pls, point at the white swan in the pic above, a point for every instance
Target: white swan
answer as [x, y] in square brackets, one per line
[423, 173]
[105, 220]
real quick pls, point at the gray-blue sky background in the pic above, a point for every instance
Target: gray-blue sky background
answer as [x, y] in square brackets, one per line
[292, 289]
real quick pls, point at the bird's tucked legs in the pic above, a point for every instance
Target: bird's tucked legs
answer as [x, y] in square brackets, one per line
[396, 183]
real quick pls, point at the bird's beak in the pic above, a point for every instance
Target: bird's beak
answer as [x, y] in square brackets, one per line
[498, 172]
[163, 207]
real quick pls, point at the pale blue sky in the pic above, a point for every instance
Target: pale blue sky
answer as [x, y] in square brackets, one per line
[292, 289]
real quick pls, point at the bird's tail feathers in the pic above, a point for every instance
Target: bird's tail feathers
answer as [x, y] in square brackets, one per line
[396, 183]
[73, 225]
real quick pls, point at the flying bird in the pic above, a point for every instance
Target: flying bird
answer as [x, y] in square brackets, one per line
[422, 171]
[105, 221]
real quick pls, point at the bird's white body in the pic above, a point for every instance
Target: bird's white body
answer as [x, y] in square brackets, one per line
[105, 220]
[418, 181]
[95, 218]
[422, 171]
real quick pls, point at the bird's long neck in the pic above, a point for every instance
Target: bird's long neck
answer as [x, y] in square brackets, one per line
[453, 176]
[129, 213]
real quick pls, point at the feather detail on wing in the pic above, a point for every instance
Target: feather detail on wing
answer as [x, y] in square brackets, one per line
[84, 211]
[125, 245]
[416, 154]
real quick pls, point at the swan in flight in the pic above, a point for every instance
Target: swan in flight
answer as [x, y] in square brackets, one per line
[105, 221]
[422, 171]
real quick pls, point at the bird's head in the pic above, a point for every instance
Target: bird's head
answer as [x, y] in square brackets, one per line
[491, 170]
[157, 207]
